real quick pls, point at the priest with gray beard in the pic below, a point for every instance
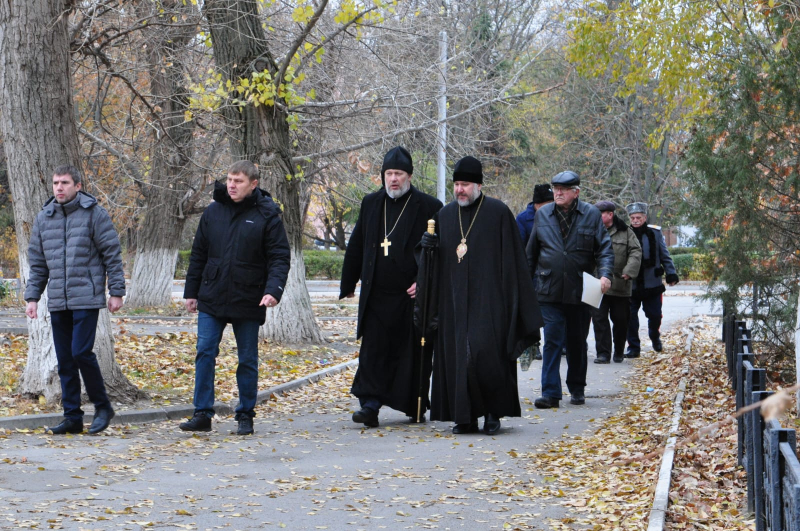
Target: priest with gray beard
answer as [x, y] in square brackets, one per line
[487, 312]
[381, 254]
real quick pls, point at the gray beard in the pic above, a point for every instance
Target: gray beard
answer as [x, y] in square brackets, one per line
[468, 201]
[398, 193]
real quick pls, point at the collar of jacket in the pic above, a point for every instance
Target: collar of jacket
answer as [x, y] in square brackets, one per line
[82, 200]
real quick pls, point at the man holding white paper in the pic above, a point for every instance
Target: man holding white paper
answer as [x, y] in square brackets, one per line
[568, 239]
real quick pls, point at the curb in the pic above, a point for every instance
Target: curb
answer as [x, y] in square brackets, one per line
[658, 513]
[143, 416]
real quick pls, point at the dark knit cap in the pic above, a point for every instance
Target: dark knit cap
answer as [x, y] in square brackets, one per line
[566, 178]
[542, 193]
[469, 169]
[605, 206]
[398, 158]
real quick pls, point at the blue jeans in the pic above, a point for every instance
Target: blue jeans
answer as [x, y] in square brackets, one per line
[652, 310]
[209, 334]
[564, 324]
[73, 337]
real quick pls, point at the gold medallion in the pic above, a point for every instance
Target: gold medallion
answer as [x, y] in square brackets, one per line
[461, 250]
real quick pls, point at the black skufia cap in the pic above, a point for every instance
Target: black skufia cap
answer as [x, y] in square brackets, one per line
[468, 169]
[398, 158]
[542, 193]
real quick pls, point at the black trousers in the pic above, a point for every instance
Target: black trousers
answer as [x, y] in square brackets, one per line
[618, 308]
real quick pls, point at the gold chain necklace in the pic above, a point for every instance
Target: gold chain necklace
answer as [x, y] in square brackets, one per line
[386, 243]
[461, 250]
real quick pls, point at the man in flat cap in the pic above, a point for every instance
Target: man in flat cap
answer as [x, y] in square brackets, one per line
[380, 253]
[487, 310]
[648, 289]
[542, 195]
[568, 239]
[617, 300]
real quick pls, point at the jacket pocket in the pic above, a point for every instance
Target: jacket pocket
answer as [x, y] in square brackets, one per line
[544, 280]
[208, 283]
[585, 240]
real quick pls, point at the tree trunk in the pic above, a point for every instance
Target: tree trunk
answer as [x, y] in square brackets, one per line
[797, 352]
[169, 179]
[39, 133]
[261, 135]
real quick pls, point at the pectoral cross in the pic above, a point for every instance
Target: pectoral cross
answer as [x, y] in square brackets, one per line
[386, 243]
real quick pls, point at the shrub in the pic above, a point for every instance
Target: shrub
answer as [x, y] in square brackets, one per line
[323, 264]
[182, 265]
[683, 264]
[684, 250]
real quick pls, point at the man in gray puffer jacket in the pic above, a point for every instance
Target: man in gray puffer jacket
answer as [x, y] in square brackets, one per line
[73, 248]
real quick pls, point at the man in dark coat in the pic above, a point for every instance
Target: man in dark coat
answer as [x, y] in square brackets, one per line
[568, 239]
[487, 310]
[381, 254]
[238, 267]
[542, 195]
[73, 249]
[648, 289]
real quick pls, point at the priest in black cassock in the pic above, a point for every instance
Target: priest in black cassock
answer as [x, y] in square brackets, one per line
[487, 309]
[381, 254]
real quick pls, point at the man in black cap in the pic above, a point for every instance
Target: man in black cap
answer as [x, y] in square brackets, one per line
[568, 239]
[487, 310]
[617, 300]
[542, 195]
[381, 254]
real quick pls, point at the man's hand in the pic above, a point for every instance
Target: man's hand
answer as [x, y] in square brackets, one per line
[626, 276]
[114, 304]
[429, 241]
[191, 305]
[30, 309]
[605, 284]
[269, 301]
[412, 291]
[350, 295]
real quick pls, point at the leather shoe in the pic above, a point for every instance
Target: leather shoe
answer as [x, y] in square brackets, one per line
[472, 427]
[245, 426]
[632, 353]
[67, 426]
[366, 416]
[577, 398]
[657, 346]
[602, 359]
[102, 418]
[546, 402]
[618, 358]
[491, 424]
[198, 422]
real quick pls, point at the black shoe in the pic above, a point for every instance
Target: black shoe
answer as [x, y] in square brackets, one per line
[602, 359]
[102, 418]
[366, 416]
[491, 424]
[546, 402]
[564, 351]
[618, 358]
[632, 353]
[413, 420]
[199, 422]
[245, 426]
[460, 429]
[657, 346]
[67, 426]
[577, 398]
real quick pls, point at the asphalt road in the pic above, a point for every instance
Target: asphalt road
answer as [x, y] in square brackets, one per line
[307, 466]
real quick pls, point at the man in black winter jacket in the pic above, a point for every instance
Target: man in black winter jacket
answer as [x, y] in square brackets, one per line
[568, 239]
[238, 268]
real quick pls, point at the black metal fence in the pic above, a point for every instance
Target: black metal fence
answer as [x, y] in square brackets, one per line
[767, 451]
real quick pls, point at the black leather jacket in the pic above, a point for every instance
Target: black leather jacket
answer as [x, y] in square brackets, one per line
[556, 265]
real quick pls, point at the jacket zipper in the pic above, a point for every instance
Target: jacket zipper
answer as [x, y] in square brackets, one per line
[64, 257]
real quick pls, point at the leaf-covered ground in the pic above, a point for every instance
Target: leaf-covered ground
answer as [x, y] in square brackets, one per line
[606, 478]
[162, 365]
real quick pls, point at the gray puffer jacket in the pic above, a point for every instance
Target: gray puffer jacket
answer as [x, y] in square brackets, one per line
[74, 246]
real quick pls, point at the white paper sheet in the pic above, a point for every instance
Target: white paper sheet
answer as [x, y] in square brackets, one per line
[592, 292]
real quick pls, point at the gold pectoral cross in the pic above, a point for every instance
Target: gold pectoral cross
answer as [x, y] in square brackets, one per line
[386, 243]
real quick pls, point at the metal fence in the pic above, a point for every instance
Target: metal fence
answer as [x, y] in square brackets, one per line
[766, 450]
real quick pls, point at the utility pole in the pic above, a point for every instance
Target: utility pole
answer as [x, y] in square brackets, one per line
[441, 176]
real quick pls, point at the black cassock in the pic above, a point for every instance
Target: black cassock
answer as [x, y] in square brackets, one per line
[390, 345]
[487, 313]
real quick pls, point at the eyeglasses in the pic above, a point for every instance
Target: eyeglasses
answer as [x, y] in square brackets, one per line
[561, 190]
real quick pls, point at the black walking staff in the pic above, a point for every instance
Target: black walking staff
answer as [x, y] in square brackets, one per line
[427, 258]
